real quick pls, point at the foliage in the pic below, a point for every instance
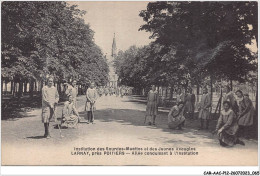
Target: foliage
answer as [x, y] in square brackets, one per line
[196, 40]
[40, 38]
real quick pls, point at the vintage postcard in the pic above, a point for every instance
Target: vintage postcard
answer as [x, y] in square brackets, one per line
[129, 83]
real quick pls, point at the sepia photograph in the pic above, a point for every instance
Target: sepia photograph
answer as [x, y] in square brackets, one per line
[129, 83]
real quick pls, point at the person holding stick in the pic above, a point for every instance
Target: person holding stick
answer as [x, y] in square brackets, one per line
[204, 109]
[50, 97]
[152, 105]
[90, 107]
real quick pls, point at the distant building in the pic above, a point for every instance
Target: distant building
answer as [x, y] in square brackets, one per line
[113, 78]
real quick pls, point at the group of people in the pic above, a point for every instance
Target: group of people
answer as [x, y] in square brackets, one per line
[70, 115]
[235, 120]
[118, 91]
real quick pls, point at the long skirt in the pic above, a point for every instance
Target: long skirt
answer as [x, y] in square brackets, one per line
[89, 106]
[204, 114]
[151, 108]
[176, 123]
[75, 102]
[47, 114]
[247, 119]
[189, 107]
[227, 139]
[229, 135]
[70, 120]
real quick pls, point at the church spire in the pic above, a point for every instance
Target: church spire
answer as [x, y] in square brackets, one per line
[114, 46]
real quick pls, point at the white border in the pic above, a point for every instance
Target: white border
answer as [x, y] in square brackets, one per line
[124, 170]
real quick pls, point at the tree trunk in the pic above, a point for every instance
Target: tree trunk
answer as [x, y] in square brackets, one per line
[20, 90]
[59, 87]
[6, 82]
[171, 93]
[198, 92]
[211, 90]
[231, 84]
[211, 94]
[166, 92]
[255, 124]
[2, 86]
[35, 86]
[12, 87]
[15, 88]
[25, 86]
[220, 100]
[31, 88]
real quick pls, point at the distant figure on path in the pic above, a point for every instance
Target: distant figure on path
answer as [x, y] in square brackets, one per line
[175, 116]
[100, 91]
[204, 109]
[91, 96]
[50, 97]
[106, 90]
[152, 105]
[227, 127]
[111, 90]
[117, 91]
[122, 91]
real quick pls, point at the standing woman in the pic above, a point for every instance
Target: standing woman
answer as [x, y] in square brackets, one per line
[73, 92]
[204, 109]
[227, 127]
[122, 91]
[50, 97]
[175, 116]
[91, 96]
[180, 96]
[189, 104]
[245, 113]
[106, 90]
[231, 98]
[152, 105]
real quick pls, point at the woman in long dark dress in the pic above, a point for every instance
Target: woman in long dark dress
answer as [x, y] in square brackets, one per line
[152, 105]
[227, 127]
[189, 104]
[245, 113]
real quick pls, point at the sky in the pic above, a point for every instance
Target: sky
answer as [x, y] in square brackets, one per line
[121, 18]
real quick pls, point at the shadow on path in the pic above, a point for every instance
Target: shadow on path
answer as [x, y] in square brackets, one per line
[35, 137]
[189, 135]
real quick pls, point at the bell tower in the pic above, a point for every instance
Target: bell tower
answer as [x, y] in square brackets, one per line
[113, 53]
[113, 78]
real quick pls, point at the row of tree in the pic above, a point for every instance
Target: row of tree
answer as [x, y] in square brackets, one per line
[193, 41]
[48, 38]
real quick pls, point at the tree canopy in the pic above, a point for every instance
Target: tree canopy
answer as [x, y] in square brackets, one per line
[193, 41]
[40, 38]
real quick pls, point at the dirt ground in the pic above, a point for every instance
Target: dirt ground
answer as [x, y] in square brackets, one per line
[119, 122]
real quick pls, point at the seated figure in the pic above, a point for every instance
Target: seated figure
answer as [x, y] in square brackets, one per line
[227, 127]
[70, 116]
[175, 116]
